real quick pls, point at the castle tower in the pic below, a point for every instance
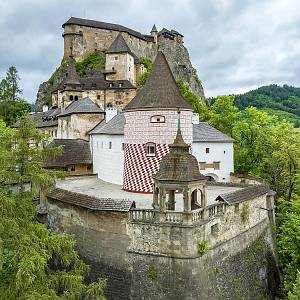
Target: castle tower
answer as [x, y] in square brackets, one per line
[120, 60]
[151, 126]
[154, 33]
[179, 172]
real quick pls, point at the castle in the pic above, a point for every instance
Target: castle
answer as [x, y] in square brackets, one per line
[154, 206]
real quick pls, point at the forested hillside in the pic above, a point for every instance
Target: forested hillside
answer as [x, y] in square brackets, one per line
[282, 101]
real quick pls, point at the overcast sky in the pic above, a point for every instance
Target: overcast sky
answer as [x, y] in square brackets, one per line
[234, 45]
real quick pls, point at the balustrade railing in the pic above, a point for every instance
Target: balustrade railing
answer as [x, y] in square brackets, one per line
[175, 217]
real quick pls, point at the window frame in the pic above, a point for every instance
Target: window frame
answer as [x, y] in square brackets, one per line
[152, 119]
[147, 147]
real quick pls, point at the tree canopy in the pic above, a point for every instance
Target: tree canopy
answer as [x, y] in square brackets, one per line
[12, 106]
[34, 263]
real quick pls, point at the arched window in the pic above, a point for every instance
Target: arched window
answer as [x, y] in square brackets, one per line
[76, 98]
[109, 105]
[71, 97]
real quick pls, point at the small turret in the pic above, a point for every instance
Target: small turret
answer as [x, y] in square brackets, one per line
[154, 33]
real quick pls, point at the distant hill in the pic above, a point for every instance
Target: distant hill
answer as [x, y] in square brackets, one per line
[282, 101]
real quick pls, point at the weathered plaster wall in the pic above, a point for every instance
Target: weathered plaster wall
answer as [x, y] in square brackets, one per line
[101, 241]
[243, 267]
[218, 152]
[77, 126]
[87, 39]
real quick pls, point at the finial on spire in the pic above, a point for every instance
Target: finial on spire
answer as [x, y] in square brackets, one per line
[178, 118]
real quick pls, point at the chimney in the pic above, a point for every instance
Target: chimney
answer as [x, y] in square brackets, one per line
[45, 108]
[110, 113]
[195, 119]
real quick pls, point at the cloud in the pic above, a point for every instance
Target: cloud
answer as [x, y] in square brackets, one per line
[235, 45]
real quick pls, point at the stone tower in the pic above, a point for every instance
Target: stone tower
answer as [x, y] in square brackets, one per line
[154, 33]
[120, 60]
[151, 126]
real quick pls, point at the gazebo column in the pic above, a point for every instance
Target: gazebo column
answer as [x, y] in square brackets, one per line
[162, 204]
[155, 198]
[171, 200]
[187, 209]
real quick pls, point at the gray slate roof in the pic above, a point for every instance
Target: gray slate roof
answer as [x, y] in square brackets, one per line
[75, 151]
[84, 106]
[154, 29]
[104, 25]
[160, 90]
[119, 45]
[244, 194]
[106, 204]
[43, 119]
[115, 126]
[203, 132]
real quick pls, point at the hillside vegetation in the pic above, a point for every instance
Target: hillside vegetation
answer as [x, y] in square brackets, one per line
[283, 102]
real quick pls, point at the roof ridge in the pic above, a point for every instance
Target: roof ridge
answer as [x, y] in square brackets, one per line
[160, 90]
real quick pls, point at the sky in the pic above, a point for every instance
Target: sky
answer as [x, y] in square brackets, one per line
[235, 45]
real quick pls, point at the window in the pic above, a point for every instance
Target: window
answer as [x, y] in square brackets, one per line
[207, 150]
[120, 84]
[76, 98]
[109, 145]
[71, 97]
[109, 105]
[97, 144]
[116, 57]
[214, 229]
[224, 151]
[157, 119]
[113, 68]
[98, 97]
[89, 167]
[72, 168]
[110, 84]
[150, 149]
[102, 144]
[129, 69]
[236, 208]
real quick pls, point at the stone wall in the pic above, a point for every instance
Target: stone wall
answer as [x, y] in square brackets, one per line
[101, 241]
[242, 265]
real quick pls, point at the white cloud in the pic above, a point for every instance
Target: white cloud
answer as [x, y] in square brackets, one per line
[235, 45]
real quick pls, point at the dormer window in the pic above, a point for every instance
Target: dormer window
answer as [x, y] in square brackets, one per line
[110, 84]
[71, 97]
[120, 84]
[158, 119]
[150, 149]
[76, 98]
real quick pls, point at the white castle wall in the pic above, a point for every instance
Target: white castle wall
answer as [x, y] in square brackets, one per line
[108, 163]
[218, 152]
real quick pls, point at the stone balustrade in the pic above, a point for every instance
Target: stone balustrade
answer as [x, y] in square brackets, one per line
[175, 217]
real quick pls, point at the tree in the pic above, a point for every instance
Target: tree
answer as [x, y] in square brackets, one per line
[295, 293]
[34, 263]
[148, 66]
[12, 106]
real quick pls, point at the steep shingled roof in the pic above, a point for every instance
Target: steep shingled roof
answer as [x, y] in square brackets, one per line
[84, 106]
[89, 202]
[75, 151]
[244, 194]
[119, 45]
[160, 90]
[203, 132]
[154, 29]
[104, 25]
[115, 126]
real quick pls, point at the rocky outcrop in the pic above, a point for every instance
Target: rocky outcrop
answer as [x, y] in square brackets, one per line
[179, 60]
